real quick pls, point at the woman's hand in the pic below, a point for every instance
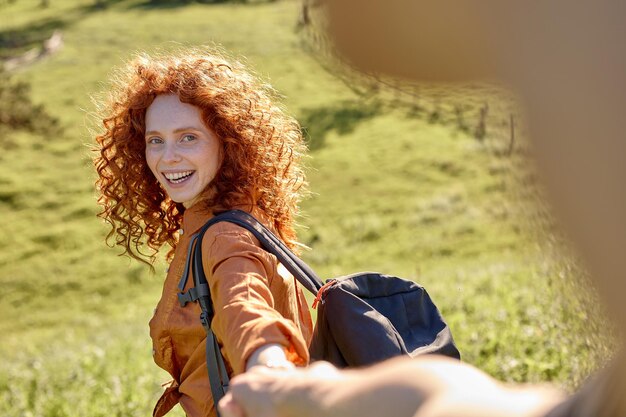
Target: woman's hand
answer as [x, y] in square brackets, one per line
[269, 356]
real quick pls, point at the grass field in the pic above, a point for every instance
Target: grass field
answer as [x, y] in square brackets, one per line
[393, 192]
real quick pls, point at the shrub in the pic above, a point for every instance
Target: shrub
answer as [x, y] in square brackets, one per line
[18, 112]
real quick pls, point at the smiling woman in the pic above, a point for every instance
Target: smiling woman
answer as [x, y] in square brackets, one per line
[187, 136]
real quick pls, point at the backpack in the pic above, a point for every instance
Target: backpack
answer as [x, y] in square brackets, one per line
[362, 318]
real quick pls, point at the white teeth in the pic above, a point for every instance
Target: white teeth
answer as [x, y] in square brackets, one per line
[177, 177]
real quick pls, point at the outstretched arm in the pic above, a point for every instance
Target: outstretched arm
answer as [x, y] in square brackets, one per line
[403, 387]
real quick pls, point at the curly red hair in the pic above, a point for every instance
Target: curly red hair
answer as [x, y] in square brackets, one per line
[262, 148]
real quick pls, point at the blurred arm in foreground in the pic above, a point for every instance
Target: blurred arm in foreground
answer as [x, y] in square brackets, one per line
[567, 62]
[430, 386]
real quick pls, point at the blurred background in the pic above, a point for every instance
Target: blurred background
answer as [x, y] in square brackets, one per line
[429, 182]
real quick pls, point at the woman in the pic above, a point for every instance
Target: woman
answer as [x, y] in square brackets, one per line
[185, 136]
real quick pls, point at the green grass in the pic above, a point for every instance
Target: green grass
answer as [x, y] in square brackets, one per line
[392, 192]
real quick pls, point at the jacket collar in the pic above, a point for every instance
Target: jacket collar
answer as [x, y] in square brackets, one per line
[195, 217]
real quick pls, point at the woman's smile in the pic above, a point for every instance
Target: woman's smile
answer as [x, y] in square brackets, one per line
[177, 178]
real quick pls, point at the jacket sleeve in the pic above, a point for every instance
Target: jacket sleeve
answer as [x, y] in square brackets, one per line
[239, 274]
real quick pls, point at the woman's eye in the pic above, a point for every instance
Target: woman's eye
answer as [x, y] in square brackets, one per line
[154, 140]
[188, 138]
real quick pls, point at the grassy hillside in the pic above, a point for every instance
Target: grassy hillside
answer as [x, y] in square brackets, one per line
[392, 192]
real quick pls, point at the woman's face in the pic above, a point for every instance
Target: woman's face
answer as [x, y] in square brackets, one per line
[181, 151]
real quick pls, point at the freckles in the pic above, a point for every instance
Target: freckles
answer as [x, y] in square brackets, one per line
[151, 157]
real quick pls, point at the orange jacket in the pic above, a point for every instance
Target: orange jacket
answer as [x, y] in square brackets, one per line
[256, 302]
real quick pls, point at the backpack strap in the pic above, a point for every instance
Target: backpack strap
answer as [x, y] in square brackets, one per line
[197, 290]
[200, 293]
[218, 376]
[296, 266]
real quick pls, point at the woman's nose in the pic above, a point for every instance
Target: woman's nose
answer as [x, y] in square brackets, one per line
[170, 153]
